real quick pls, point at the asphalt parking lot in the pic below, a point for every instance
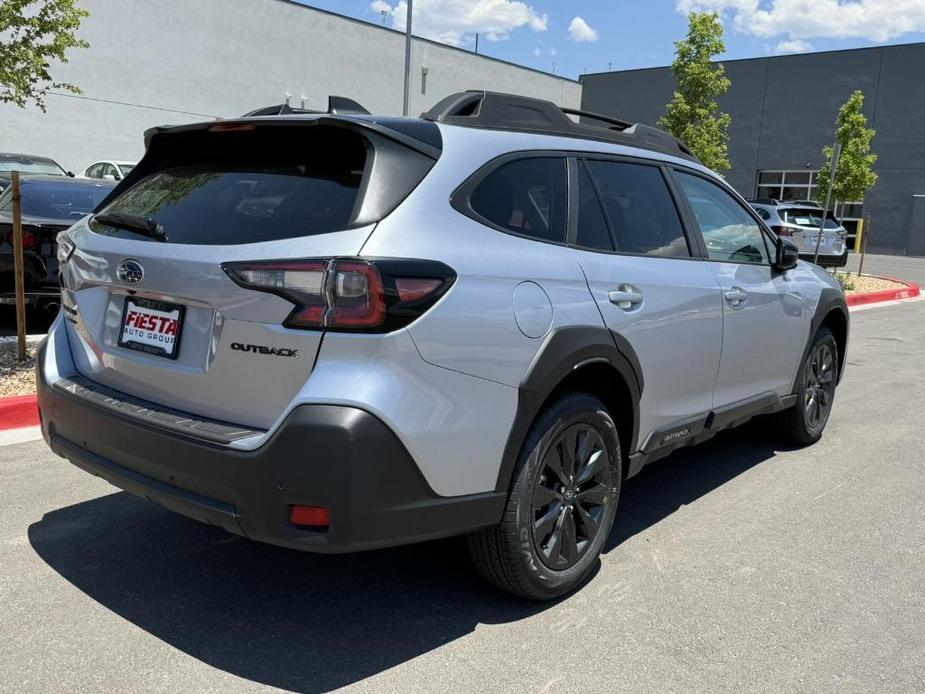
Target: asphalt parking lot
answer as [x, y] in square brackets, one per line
[736, 566]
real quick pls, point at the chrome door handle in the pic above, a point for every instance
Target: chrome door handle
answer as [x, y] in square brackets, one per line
[625, 296]
[736, 296]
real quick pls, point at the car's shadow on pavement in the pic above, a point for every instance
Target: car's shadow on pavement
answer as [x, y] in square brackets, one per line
[310, 623]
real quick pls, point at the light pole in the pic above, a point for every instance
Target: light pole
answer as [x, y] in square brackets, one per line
[407, 99]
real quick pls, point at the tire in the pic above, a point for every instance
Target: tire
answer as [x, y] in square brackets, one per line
[524, 554]
[804, 423]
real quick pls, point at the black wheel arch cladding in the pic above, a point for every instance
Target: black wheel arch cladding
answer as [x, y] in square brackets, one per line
[831, 310]
[563, 352]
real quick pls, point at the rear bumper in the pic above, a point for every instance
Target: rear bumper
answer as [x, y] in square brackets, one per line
[340, 458]
[828, 260]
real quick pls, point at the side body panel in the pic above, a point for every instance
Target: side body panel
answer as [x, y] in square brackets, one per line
[763, 336]
[676, 330]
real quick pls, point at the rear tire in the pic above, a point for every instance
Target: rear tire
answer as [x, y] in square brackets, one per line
[804, 423]
[560, 509]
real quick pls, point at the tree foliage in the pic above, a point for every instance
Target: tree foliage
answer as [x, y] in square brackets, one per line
[692, 115]
[33, 33]
[853, 177]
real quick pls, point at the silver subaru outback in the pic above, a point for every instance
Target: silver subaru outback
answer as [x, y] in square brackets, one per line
[336, 332]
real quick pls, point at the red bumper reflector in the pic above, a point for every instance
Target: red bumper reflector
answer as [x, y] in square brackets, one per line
[312, 516]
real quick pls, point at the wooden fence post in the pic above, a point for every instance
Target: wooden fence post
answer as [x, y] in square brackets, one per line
[18, 268]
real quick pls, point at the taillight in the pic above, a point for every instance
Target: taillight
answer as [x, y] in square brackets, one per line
[349, 294]
[782, 231]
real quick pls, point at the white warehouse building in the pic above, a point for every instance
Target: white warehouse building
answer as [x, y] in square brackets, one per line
[177, 61]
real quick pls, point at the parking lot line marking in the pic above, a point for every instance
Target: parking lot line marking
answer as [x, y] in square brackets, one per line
[22, 435]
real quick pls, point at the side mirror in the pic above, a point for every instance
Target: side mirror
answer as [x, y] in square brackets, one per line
[787, 255]
[71, 174]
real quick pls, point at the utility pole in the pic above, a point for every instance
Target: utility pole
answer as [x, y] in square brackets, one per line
[407, 101]
[833, 170]
[476, 42]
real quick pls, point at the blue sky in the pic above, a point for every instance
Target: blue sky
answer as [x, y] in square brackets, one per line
[589, 35]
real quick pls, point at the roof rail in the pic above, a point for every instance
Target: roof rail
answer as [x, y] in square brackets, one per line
[762, 201]
[336, 105]
[499, 111]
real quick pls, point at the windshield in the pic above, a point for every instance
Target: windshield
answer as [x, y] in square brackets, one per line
[809, 218]
[68, 200]
[33, 166]
[125, 168]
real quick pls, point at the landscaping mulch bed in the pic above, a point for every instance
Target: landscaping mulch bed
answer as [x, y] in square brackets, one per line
[16, 377]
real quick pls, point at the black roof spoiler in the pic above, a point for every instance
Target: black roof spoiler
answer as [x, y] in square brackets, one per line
[495, 110]
[336, 105]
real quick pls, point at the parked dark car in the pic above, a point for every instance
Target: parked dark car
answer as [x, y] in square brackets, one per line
[50, 204]
[28, 164]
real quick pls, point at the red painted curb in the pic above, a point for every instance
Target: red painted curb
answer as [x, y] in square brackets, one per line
[909, 291]
[18, 411]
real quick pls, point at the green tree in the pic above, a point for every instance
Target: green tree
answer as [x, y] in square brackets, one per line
[692, 115]
[32, 34]
[854, 177]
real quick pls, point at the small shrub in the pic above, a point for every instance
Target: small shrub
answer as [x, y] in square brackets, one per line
[844, 279]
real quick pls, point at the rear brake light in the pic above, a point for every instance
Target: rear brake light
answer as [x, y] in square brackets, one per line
[782, 231]
[28, 240]
[346, 293]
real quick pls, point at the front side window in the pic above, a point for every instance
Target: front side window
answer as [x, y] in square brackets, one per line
[729, 232]
[642, 215]
[526, 196]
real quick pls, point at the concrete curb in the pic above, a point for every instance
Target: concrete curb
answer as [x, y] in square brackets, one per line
[18, 411]
[910, 291]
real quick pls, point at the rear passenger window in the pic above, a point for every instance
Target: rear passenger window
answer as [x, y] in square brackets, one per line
[592, 232]
[639, 209]
[526, 196]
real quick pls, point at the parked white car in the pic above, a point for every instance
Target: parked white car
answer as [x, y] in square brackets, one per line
[110, 170]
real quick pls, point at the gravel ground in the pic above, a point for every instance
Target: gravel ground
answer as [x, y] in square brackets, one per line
[16, 377]
[866, 283]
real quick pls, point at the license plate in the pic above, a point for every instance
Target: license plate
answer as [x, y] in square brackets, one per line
[825, 241]
[152, 327]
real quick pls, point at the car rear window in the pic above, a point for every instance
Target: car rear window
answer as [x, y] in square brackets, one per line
[255, 188]
[68, 200]
[809, 218]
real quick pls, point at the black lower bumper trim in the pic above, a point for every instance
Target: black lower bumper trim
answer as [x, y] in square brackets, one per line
[340, 458]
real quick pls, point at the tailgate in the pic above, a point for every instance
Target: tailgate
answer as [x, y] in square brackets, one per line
[150, 310]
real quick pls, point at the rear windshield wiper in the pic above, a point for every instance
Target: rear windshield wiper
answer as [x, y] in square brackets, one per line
[133, 222]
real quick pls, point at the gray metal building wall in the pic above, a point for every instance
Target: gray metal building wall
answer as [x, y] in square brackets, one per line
[153, 62]
[783, 111]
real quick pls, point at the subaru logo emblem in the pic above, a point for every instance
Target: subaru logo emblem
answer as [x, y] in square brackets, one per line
[130, 272]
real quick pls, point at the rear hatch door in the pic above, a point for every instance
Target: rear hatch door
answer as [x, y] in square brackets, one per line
[150, 310]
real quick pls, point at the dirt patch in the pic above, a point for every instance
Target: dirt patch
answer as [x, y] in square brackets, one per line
[17, 377]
